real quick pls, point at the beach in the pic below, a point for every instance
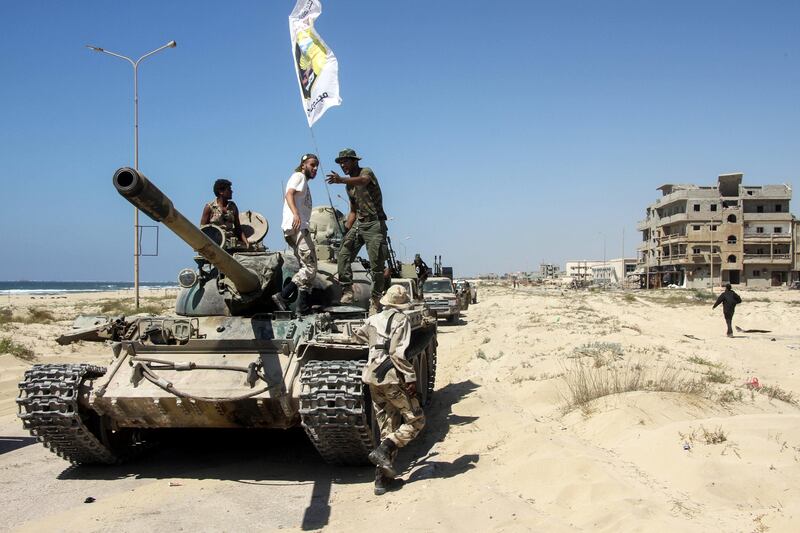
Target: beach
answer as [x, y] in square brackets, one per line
[554, 410]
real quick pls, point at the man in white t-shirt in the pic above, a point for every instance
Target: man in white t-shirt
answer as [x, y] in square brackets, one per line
[296, 214]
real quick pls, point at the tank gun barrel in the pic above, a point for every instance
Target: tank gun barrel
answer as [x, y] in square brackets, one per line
[139, 191]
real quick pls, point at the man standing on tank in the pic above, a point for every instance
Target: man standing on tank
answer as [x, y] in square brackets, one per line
[296, 214]
[365, 225]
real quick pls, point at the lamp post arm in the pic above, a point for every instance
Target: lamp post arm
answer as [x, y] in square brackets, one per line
[171, 44]
[108, 52]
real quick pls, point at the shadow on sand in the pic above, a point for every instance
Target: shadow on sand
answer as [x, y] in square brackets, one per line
[9, 444]
[253, 457]
[419, 458]
[281, 457]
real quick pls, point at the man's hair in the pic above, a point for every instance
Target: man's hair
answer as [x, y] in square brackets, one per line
[728, 286]
[220, 185]
[304, 159]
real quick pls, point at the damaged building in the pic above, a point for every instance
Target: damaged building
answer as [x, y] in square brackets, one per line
[731, 233]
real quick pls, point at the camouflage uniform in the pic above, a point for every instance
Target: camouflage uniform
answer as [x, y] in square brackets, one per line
[370, 229]
[225, 220]
[399, 416]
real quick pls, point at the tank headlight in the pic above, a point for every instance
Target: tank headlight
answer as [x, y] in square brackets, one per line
[187, 278]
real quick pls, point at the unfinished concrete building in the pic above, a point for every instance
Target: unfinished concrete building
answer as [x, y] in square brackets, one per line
[549, 271]
[743, 234]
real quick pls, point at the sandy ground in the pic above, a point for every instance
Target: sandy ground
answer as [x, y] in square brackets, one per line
[508, 446]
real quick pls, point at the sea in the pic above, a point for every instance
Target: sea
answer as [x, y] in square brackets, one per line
[60, 287]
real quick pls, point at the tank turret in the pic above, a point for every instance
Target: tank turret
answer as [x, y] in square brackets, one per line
[244, 279]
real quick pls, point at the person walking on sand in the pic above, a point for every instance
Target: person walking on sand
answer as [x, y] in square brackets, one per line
[392, 382]
[296, 214]
[365, 225]
[728, 299]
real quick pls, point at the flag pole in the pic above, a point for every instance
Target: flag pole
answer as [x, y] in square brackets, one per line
[327, 189]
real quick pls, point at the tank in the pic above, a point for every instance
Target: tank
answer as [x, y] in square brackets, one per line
[226, 359]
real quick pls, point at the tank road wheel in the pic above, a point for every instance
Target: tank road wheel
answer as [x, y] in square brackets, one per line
[336, 411]
[452, 319]
[49, 408]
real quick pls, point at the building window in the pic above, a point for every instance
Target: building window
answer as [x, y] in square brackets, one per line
[696, 251]
[714, 227]
[759, 209]
[777, 229]
[732, 218]
[756, 273]
[778, 208]
[696, 228]
[759, 229]
[731, 239]
[713, 207]
[697, 207]
[731, 258]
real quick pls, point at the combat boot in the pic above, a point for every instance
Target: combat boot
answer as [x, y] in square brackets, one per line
[382, 457]
[381, 482]
[280, 302]
[347, 295]
[303, 303]
[281, 299]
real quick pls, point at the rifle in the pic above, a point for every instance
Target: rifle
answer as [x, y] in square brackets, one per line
[394, 264]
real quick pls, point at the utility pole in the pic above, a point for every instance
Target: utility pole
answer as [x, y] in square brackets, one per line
[711, 253]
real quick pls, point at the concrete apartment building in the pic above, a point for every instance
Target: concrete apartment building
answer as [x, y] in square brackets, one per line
[746, 234]
[609, 271]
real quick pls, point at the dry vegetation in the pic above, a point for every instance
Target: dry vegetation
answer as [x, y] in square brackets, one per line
[716, 436]
[587, 382]
[8, 346]
[33, 315]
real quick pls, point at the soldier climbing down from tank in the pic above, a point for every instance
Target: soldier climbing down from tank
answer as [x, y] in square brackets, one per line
[296, 214]
[392, 382]
[365, 224]
[422, 271]
[729, 299]
[223, 212]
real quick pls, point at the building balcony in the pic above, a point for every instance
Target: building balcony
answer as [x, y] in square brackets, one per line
[642, 225]
[676, 259]
[766, 238]
[672, 239]
[766, 217]
[766, 192]
[766, 259]
[686, 194]
[672, 219]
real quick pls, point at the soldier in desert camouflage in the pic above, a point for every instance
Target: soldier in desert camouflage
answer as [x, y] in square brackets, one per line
[392, 382]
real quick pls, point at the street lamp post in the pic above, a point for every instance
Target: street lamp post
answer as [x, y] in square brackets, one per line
[135, 64]
[403, 244]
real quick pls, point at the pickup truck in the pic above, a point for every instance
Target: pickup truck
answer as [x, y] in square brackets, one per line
[440, 297]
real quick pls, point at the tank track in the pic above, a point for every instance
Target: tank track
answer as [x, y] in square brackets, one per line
[431, 374]
[48, 407]
[335, 412]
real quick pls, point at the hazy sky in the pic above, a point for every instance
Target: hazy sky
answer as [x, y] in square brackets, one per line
[503, 133]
